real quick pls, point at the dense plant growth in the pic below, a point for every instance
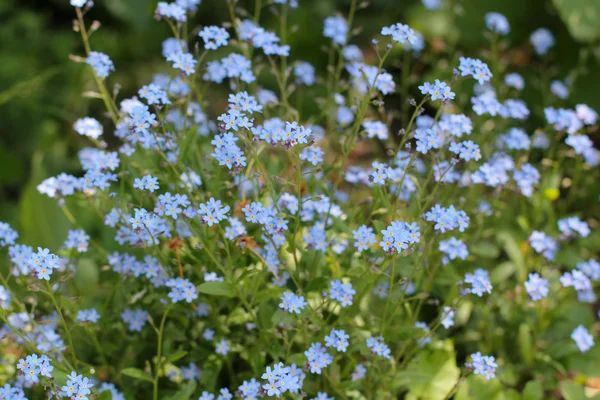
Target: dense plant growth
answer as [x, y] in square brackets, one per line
[302, 238]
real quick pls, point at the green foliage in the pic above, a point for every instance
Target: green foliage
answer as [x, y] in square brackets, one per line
[582, 18]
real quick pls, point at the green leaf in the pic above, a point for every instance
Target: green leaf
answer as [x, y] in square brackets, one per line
[511, 246]
[533, 391]
[176, 356]
[42, 221]
[582, 17]
[572, 391]
[136, 374]
[217, 289]
[282, 316]
[485, 250]
[430, 376]
[525, 343]
[502, 272]
[247, 274]
[87, 275]
[106, 395]
[586, 363]
[317, 285]
[476, 387]
[185, 392]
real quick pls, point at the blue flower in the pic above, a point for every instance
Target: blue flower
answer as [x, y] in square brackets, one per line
[78, 240]
[432, 4]
[183, 61]
[364, 237]
[563, 119]
[5, 298]
[479, 281]
[376, 129]
[526, 177]
[214, 37]
[101, 63]
[367, 76]
[172, 45]
[559, 89]
[233, 66]
[516, 139]
[514, 80]
[425, 339]
[427, 139]
[447, 219]
[582, 338]
[191, 372]
[483, 365]
[312, 154]
[400, 33]
[453, 248]
[591, 268]
[576, 279]
[154, 94]
[359, 373]
[250, 390]
[337, 339]
[447, 317]
[213, 212]
[171, 11]
[497, 22]
[437, 91]
[352, 52]
[136, 319]
[378, 347]
[222, 347]
[542, 41]
[344, 115]
[90, 315]
[492, 174]
[587, 115]
[399, 235]
[475, 68]
[342, 292]
[466, 150]
[7, 234]
[573, 226]
[147, 182]
[182, 290]
[43, 263]
[34, 366]
[89, 127]
[304, 73]
[322, 396]
[318, 358]
[206, 396]
[536, 287]
[292, 303]
[454, 124]
[336, 28]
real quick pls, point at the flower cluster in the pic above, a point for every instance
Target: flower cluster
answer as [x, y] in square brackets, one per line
[250, 221]
[447, 219]
[292, 303]
[282, 379]
[483, 365]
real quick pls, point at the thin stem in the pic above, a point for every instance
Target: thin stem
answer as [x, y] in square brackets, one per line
[159, 350]
[64, 322]
[108, 102]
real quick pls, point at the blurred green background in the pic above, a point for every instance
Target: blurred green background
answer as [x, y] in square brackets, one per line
[41, 89]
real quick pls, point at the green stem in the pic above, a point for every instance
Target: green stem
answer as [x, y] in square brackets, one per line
[64, 322]
[159, 350]
[108, 102]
